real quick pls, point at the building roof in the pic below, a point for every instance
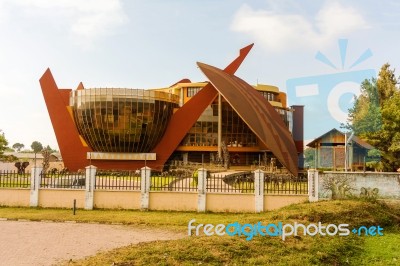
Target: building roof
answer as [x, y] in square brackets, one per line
[25, 155]
[31, 155]
[355, 139]
[268, 88]
[363, 143]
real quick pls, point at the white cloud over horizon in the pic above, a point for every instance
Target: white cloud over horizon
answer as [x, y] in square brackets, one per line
[278, 31]
[148, 44]
[84, 21]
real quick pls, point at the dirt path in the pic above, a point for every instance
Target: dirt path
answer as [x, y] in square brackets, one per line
[48, 243]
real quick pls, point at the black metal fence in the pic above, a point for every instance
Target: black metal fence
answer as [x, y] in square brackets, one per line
[171, 183]
[14, 180]
[243, 182]
[234, 183]
[285, 184]
[62, 180]
[117, 180]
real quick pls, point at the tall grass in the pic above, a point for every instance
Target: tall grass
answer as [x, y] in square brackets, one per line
[226, 250]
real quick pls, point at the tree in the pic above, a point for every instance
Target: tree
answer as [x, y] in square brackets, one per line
[3, 148]
[309, 157]
[386, 83]
[375, 116]
[51, 150]
[365, 116]
[46, 159]
[3, 142]
[18, 146]
[36, 146]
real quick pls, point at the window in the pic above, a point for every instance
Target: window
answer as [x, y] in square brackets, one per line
[268, 95]
[191, 91]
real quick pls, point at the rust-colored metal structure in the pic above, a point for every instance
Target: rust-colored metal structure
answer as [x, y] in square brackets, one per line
[187, 115]
[261, 118]
[257, 113]
[70, 144]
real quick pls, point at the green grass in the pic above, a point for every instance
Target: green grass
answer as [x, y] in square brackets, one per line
[166, 220]
[161, 182]
[380, 250]
[349, 250]
[195, 250]
[227, 251]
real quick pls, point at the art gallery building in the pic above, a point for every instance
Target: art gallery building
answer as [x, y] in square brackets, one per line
[124, 128]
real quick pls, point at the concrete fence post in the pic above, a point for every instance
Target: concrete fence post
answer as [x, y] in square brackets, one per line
[145, 180]
[35, 185]
[313, 185]
[202, 189]
[90, 178]
[259, 190]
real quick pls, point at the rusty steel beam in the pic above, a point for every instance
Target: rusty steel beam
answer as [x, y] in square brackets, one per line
[185, 117]
[57, 100]
[257, 113]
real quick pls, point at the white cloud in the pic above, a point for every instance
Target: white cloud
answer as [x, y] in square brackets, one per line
[278, 31]
[86, 20]
[3, 13]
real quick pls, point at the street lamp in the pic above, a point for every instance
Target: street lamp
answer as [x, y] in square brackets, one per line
[346, 143]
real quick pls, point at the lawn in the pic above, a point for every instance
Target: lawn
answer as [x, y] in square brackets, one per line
[235, 250]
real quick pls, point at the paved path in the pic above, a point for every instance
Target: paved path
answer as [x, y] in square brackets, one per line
[48, 243]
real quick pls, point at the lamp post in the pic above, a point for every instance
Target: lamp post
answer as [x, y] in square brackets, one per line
[346, 143]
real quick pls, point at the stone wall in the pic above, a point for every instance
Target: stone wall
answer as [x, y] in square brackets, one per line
[381, 185]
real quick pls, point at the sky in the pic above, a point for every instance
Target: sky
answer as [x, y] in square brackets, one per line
[155, 43]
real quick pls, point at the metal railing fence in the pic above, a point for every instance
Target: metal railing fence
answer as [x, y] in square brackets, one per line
[117, 180]
[62, 180]
[12, 179]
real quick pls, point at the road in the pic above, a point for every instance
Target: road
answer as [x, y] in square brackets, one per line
[49, 243]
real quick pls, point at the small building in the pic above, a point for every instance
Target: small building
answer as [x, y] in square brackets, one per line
[33, 159]
[330, 151]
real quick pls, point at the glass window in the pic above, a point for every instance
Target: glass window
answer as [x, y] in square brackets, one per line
[192, 91]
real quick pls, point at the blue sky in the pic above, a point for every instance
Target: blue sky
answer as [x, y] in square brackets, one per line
[148, 44]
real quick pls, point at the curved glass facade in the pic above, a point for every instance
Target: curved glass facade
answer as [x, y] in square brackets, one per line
[235, 132]
[122, 120]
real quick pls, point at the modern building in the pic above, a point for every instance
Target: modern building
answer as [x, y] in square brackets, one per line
[332, 152]
[204, 139]
[119, 128]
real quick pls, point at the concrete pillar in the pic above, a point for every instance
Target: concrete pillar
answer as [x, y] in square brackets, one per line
[312, 185]
[89, 186]
[35, 185]
[202, 189]
[181, 102]
[219, 126]
[259, 190]
[185, 158]
[298, 132]
[145, 174]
